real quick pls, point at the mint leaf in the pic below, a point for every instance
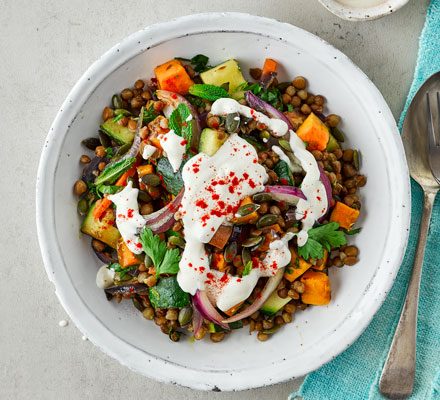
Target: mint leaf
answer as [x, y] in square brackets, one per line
[109, 189]
[247, 268]
[208, 92]
[181, 123]
[114, 171]
[167, 293]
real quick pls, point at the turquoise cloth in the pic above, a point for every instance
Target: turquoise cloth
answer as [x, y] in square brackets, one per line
[355, 373]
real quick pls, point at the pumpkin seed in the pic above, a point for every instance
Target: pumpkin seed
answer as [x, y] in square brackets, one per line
[185, 315]
[272, 330]
[247, 209]
[122, 149]
[148, 261]
[177, 241]
[338, 135]
[104, 139]
[264, 135]
[144, 196]
[246, 255]
[116, 101]
[137, 304]
[267, 220]
[230, 252]
[83, 207]
[285, 144]
[122, 111]
[261, 197]
[151, 180]
[357, 159]
[232, 122]
[252, 241]
[91, 143]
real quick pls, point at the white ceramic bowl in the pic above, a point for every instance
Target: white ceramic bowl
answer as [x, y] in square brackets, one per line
[240, 362]
[360, 10]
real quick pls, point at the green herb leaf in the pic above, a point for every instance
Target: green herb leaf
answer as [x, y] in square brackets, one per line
[122, 272]
[153, 246]
[312, 249]
[113, 171]
[166, 261]
[108, 189]
[325, 236]
[208, 92]
[247, 268]
[170, 263]
[289, 107]
[181, 123]
[149, 114]
[352, 231]
[195, 101]
[283, 171]
[173, 180]
[200, 62]
[167, 293]
[109, 152]
[118, 117]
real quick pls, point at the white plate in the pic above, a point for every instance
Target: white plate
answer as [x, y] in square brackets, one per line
[240, 362]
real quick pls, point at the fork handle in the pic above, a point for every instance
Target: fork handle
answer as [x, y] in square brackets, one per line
[397, 380]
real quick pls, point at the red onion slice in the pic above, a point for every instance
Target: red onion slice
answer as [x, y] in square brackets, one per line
[197, 320]
[288, 194]
[207, 310]
[271, 285]
[256, 103]
[328, 191]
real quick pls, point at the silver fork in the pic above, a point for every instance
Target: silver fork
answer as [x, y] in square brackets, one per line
[434, 133]
[421, 138]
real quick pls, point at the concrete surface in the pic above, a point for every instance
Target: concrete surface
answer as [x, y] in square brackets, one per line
[46, 46]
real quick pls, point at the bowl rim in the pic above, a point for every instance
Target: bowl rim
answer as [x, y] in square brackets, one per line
[350, 13]
[116, 347]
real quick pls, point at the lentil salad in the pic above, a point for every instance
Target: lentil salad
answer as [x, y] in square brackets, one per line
[264, 233]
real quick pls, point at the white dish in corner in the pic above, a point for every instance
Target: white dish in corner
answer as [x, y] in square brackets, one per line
[360, 10]
[240, 362]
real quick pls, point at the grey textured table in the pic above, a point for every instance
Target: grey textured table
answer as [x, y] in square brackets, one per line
[46, 46]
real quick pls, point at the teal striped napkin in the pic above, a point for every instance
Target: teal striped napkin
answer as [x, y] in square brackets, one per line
[355, 373]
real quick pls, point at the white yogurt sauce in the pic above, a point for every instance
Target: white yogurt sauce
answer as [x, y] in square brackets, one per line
[310, 210]
[105, 277]
[128, 219]
[174, 147]
[228, 106]
[148, 151]
[229, 291]
[213, 192]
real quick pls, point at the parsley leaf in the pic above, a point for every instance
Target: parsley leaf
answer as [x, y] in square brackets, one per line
[166, 261]
[208, 92]
[247, 268]
[180, 122]
[170, 263]
[325, 236]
